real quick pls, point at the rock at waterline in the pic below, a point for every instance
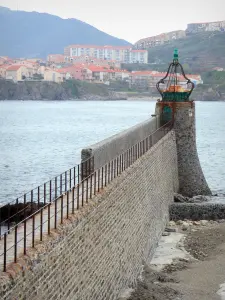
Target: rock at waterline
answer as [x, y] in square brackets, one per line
[196, 199]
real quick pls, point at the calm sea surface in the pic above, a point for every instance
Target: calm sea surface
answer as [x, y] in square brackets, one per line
[39, 139]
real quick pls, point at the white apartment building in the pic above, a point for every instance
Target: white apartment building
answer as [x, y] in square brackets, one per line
[123, 54]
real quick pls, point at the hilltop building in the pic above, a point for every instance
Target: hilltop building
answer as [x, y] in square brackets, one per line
[208, 26]
[160, 39]
[123, 54]
[192, 28]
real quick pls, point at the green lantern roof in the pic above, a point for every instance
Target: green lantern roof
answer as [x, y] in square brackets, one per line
[175, 55]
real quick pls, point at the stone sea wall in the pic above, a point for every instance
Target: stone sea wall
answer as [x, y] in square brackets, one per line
[100, 250]
[109, 148]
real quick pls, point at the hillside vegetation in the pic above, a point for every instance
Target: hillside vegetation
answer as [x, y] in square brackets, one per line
[199, 53]
[32, 34]
[213, 87]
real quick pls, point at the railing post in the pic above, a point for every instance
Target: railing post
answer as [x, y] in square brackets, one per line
[25, 237]
[61, 209]
[25, 202]
[60, 184]
[65, 181]
[74, 175]
[41, 225]
[98, 180]
[44, 193]
[15, 245]
[49, 219]
[82, 193]
[73, 199]
[8, 223]
[50, 191]
[120, 163]
[5, 251]
[56, 192]
[78, 175]
[78, 198]
[17, 202]
[56, 213]
[31, 200]
[106, 175]
[0, 223]
[67, 205]
[91, 186]
[33, 230]
[109, 172]
[38, 196]
[95, 183]
[102, 177]
[70, 179]
[87, 189]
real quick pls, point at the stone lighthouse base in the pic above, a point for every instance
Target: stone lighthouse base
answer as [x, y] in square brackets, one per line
[191, 178]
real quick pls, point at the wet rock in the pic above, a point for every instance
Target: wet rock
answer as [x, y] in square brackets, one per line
[126, 294]
[221, 221]
[166, 234]
[180, 198]
[204, 222]
[180, 222]
[168, 229]
[185, 226]
[197, 223]
[14, 213]
[172, 223]
[199, 199]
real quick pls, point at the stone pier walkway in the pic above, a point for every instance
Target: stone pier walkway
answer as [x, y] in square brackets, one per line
[51, 216]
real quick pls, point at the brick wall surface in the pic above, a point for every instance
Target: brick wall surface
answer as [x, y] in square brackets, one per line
[100, 251]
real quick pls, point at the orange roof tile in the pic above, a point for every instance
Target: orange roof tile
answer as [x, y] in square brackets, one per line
[14, 68]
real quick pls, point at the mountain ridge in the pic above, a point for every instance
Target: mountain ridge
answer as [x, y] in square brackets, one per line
[34, 34]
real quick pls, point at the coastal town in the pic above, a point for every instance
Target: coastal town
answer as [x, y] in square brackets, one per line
[91, 63]
[106, 64]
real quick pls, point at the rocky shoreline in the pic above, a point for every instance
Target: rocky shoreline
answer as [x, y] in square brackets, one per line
[78, 90]
[71, 90]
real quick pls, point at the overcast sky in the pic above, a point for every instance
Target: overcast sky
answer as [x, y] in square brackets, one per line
[129, 19]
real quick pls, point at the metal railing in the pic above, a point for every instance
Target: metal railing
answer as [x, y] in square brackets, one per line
[63, 200]
[17, 210]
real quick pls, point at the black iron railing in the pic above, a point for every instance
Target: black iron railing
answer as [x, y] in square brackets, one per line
[66, 196]
[15, 211]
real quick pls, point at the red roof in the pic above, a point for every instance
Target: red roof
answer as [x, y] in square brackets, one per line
[4, 66]
[94, 68]
[14, 68]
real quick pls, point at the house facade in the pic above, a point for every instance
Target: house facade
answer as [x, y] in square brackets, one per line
[17, 72]
[52, 75]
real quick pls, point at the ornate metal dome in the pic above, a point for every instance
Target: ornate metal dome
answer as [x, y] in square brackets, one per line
[175, 86]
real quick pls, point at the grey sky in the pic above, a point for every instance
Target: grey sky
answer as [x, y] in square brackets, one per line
[129, 19]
